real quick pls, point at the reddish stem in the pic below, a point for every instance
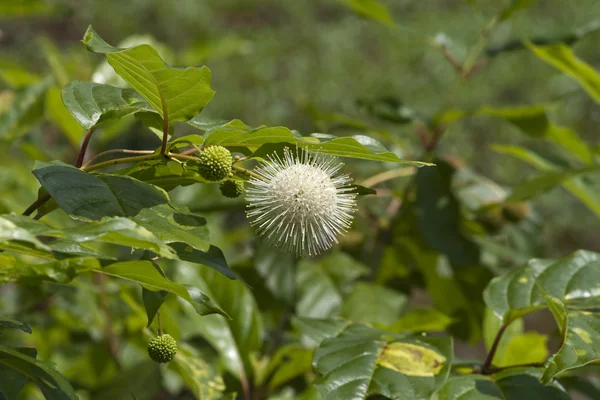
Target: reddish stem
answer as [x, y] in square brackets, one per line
[84, 147]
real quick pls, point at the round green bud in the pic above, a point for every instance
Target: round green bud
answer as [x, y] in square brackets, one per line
[214, 163]
[231, 188]
[162, 349]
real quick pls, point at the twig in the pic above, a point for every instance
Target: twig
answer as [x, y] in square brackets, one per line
[246, 171]
[127, 151]
[487, 368]
[116, 161]
[84, 146]
[388, 175]
[160, 329]
[36, 204]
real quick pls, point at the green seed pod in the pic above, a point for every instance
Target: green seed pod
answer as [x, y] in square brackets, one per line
[214, 163]
[231, 188]
[162, 349]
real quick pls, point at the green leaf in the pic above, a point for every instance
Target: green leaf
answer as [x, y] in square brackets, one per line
[320, 284]
[580, 345]
[115, 230]
[562, 58]
[288, 362]
[263, 141]
[362, 361]
[213, 258]
[92, 103]
[152, 302]
[476, 387]
[420, 320]
[531, 120]
[14, 324]
[516, 382]
[439, 216]
[95, 196]
[371, 9]
[234, 339]
[544, 182]
[59, 114]
[176, 94]
[371, 303]
[198, 375]
[515, 6]
[278, 271]
[516, 385]
[315, 330]
[27, 109]
[526, 348]
[585, 385]
[52, 384]
[522, 290]
[146, 274]
[574, 185]
[60, 271]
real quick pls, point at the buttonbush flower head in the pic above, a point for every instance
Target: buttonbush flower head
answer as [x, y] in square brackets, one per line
[300, 203]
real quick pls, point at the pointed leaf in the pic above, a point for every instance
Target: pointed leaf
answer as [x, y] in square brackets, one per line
[176, 94]
[93, 103]
[146, 274]
[562, 58]
[263, 141]
[14, 324]
[362, 361]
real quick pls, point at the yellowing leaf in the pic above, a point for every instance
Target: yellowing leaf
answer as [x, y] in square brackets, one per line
[411, 359]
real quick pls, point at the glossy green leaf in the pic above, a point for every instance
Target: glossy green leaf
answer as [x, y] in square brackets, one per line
[236, 338]
[579, 330]
[562, 58]
[515, 6]
[146, 274]
[439, 217]
[575, 185]
[213, 258]
[361, 361]
[263, 141]
[93, 103]
[60, 271]
[515, 383]
[95, 196]
[520, 291]
[176, 94]
[52, 384]
[14, 324]
[152, 301]
[371, 9]
[115, 230]
[158, 173]
[585, 385]
[26, 109]
[278, 271]
[198, 375]
[374, 304]
[470, 387]
[315, 330]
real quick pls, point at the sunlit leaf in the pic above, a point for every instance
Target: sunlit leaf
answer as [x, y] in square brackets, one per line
[176, 94]
[562, 58]
[371, 9]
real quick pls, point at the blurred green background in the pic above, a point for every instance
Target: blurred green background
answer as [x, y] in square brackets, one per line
[294, 63]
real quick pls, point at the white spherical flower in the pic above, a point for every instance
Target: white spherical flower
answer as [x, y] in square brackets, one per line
[300, 203]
